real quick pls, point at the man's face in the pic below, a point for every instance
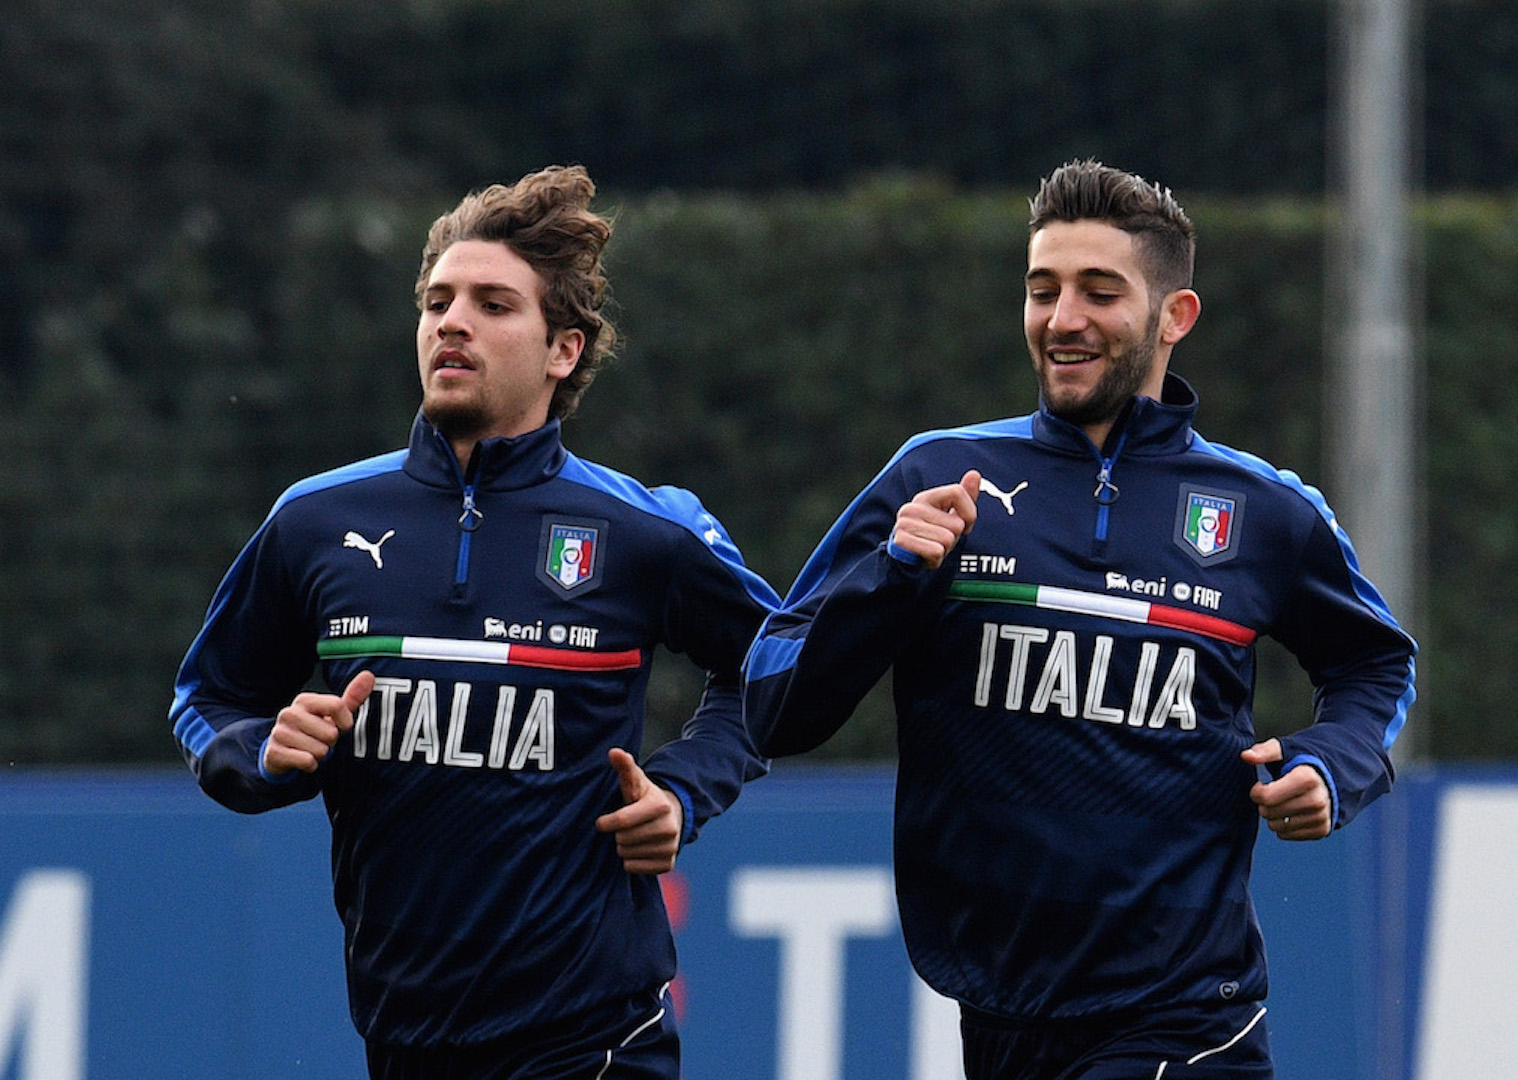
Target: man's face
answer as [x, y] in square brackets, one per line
[487, 362]
[1092, 327]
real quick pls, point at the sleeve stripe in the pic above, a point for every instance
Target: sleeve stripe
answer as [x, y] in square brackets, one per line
[772, 655]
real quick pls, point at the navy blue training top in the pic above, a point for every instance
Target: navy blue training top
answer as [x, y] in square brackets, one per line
[1073, 687]
[511, 617]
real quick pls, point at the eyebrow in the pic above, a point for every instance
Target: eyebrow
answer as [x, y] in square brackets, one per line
[480, 288]
[1093, 274]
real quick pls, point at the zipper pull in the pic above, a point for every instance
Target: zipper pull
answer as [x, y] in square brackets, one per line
[470, 519]
[1106, 492]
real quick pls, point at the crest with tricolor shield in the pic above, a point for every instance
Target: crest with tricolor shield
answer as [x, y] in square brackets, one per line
[1207, 524]
[570, 553]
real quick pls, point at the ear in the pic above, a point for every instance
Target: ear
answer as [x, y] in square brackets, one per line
[1178, 315]
[564, 352]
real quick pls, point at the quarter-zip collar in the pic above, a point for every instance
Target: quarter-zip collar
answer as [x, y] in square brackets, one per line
[1149, 427]
[497, 464]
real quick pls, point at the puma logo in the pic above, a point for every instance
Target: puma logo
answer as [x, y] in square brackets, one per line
[354, 540]
[1003, 497]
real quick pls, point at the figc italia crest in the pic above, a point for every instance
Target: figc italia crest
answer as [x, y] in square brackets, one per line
[571, 553]
[1207, 524]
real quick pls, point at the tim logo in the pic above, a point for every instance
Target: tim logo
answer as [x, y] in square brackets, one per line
[1208, 524]
[571, 553]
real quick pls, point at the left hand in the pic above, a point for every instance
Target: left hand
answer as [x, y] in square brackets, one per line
[649, 827]
[934, 522]
[1295, 807]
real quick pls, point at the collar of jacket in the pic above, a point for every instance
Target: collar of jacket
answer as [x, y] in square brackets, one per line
[1146, 427]
[497, 464]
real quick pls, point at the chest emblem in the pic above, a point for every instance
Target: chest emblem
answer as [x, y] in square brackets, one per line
[571, 553]
[1207, 524]
[356, 540]
[1003, 497]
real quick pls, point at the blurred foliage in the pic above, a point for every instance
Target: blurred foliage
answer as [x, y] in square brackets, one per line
[210, 215]
[777, 350]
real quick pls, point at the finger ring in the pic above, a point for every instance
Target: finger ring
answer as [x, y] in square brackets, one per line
[1286, 820]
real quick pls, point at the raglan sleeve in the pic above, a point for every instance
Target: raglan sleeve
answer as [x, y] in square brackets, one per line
[1362, 666]
[842, 625]
[713, 606]
[251, 657]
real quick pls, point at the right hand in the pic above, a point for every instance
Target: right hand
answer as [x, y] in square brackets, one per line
[931, 525]
[306, 729]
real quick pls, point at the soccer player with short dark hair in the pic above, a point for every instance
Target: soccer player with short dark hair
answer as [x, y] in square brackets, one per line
[1069, 601]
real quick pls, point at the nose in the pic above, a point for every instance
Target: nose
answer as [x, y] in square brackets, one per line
[451, 320]
[1068, 315]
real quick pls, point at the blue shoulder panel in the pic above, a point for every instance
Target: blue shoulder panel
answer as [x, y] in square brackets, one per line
[769, 654]
[677, 506]
[1364, 590]
[191, 729]
[394, 461]
[821, 560]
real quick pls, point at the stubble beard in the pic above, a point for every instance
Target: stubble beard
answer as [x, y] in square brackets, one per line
[1125, 376]
[456, 418]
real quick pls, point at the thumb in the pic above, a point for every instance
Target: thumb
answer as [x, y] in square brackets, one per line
[359, 689]
[1263, 753]
[631, 777]
[971, 483]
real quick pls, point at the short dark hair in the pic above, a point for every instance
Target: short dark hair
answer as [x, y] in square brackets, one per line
[545, 218]
[1163, 235]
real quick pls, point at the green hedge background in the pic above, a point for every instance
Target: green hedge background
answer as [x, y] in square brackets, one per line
[210, 216]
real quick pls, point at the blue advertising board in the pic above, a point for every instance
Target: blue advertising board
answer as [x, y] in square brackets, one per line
[146, 932]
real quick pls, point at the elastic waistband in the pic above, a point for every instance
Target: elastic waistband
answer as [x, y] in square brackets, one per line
[1094, 1021]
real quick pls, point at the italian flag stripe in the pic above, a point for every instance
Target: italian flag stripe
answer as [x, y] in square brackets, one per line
[1104, 607]
[478, 652]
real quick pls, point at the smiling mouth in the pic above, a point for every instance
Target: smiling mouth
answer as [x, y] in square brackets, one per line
[1064, 357]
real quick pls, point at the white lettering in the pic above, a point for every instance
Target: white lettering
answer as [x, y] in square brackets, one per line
[1122, 582]
[348, 626]
[44, 964]
[500, 731]
[1021, 637]
[421, 725]
[500, 628]
[1175, 697]
[1004, 565]
[584, 636]
[421, 738]
[988, 636]
[1149, 660]
[1097, 685]
[454, 752]
[386, 690]
[1061, 688]
[1056, 686]
[535, 743]
[936, 1053]
[813, 913]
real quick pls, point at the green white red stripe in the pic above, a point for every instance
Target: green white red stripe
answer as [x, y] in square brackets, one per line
[478, 652]
[1103, 606]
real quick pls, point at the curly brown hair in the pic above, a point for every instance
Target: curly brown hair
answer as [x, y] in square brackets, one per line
[545, 218]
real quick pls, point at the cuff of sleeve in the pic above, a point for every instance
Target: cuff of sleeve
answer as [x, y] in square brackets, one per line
[1328, 778]
[901, 554]
[688, 809]
[268, 777]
